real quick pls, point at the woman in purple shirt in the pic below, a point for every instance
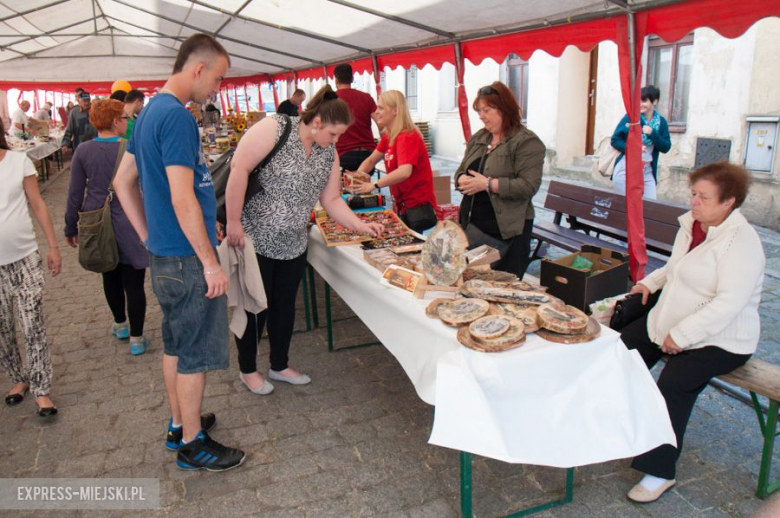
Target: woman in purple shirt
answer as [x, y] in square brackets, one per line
[91, 173]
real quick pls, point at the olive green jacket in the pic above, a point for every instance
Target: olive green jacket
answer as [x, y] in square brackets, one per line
[517, 162]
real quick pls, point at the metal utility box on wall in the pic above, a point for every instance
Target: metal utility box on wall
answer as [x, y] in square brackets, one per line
[761, 143]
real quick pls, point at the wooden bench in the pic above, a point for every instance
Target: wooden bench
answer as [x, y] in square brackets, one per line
[592, 212]
[761, 379]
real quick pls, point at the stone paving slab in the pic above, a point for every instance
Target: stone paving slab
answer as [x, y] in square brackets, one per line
[353, 443]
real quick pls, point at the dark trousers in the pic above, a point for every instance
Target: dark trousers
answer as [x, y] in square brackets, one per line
[126, 283]
[684, 377]
[281, 279]
[518, 255]
[351, 160]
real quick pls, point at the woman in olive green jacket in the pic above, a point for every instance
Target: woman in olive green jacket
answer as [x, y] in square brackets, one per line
[500, 173]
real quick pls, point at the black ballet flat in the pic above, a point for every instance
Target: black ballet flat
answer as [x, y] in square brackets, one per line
[15, 399]
[48, 411]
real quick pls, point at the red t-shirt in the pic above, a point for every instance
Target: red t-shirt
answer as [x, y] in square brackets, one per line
[359, 134]
[698, 235]
[416, 190]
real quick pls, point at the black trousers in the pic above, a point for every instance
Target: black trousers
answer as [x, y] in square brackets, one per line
[684, 377]
[351, 160]
[281, 279]
[518, 255]
[126, 284]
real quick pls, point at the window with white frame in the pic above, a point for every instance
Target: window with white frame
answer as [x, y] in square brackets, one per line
[448, 88]
[669, 69]
[412, 88]
[514, 74]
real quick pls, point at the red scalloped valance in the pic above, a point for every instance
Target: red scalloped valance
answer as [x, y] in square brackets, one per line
[553, 40]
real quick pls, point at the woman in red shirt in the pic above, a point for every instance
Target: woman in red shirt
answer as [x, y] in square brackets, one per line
[409, 170]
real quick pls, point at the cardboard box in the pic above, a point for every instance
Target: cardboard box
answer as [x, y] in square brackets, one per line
[253, 118]
[442, 188]
[578, 288]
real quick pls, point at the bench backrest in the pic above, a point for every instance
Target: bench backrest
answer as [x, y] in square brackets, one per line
[606, 208]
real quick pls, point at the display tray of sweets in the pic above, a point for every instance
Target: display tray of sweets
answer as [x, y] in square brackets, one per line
[381, 258]
[395, 232]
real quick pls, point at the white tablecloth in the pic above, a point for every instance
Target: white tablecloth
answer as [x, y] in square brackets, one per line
[543, 403]
[40, 149]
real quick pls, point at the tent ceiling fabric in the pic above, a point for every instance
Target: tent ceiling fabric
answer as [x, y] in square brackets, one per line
[263, 36]
[104, 40]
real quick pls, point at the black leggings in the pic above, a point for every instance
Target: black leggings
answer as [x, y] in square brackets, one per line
[281, 279]
[126, 281]
[684, 377]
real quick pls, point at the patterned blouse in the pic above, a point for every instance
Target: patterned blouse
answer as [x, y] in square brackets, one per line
[277, 218]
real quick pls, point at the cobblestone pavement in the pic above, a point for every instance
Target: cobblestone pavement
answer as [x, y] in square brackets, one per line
[353, 443]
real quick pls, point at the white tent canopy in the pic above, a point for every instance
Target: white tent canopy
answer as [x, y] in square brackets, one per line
[101, 40]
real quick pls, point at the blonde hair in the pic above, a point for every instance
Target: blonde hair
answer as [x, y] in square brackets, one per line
[394, 99]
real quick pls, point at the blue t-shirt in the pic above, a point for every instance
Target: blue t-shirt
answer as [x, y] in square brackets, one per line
[166, 134]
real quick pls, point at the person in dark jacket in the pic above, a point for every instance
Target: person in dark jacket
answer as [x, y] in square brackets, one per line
[655, 140]
[79, 129]
[500, 173]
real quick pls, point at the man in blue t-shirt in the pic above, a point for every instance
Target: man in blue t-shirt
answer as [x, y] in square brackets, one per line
[176, 219]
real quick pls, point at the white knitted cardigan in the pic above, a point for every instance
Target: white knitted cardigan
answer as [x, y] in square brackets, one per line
[710, 295]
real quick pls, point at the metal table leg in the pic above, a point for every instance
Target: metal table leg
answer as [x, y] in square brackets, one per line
[466, 489]
[769, 431]
[329, 322]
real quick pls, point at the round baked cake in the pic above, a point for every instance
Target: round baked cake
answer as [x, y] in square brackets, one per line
[489, 327]
[514, 334]
[562, 319]
[528, 315]
[430, 310]
[462, 311]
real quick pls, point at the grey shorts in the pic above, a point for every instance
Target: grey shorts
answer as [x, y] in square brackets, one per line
[194, 328]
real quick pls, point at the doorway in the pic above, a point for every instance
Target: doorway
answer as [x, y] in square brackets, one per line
[591, 124]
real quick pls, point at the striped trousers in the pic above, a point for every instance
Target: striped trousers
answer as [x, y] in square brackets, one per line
[21, 292]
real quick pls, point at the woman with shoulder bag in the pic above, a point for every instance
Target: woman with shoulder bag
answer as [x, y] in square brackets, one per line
[409, 176]
[500, 173]
[92, 170]
[305, 169]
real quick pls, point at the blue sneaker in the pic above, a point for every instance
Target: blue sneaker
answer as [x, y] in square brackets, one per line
[121, 331]
[203, 452]
[139, 347]
[173, 440]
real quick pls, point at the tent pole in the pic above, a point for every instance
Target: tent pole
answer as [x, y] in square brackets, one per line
[463, 102]
[632, 50]
[377, 75]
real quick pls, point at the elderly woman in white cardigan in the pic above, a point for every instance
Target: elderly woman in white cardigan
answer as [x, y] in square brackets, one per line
[706, 318]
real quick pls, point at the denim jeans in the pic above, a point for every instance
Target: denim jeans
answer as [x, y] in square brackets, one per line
[194, 328]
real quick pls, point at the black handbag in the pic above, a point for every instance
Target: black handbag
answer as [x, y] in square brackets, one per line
[420, 218]
[631, 309]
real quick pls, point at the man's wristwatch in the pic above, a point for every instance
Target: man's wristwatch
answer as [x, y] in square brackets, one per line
[376, 185]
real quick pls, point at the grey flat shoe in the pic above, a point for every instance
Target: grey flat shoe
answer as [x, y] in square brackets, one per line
[303, 379]
[263, 390]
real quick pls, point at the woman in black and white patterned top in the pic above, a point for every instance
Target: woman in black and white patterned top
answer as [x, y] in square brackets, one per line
[305, 169]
